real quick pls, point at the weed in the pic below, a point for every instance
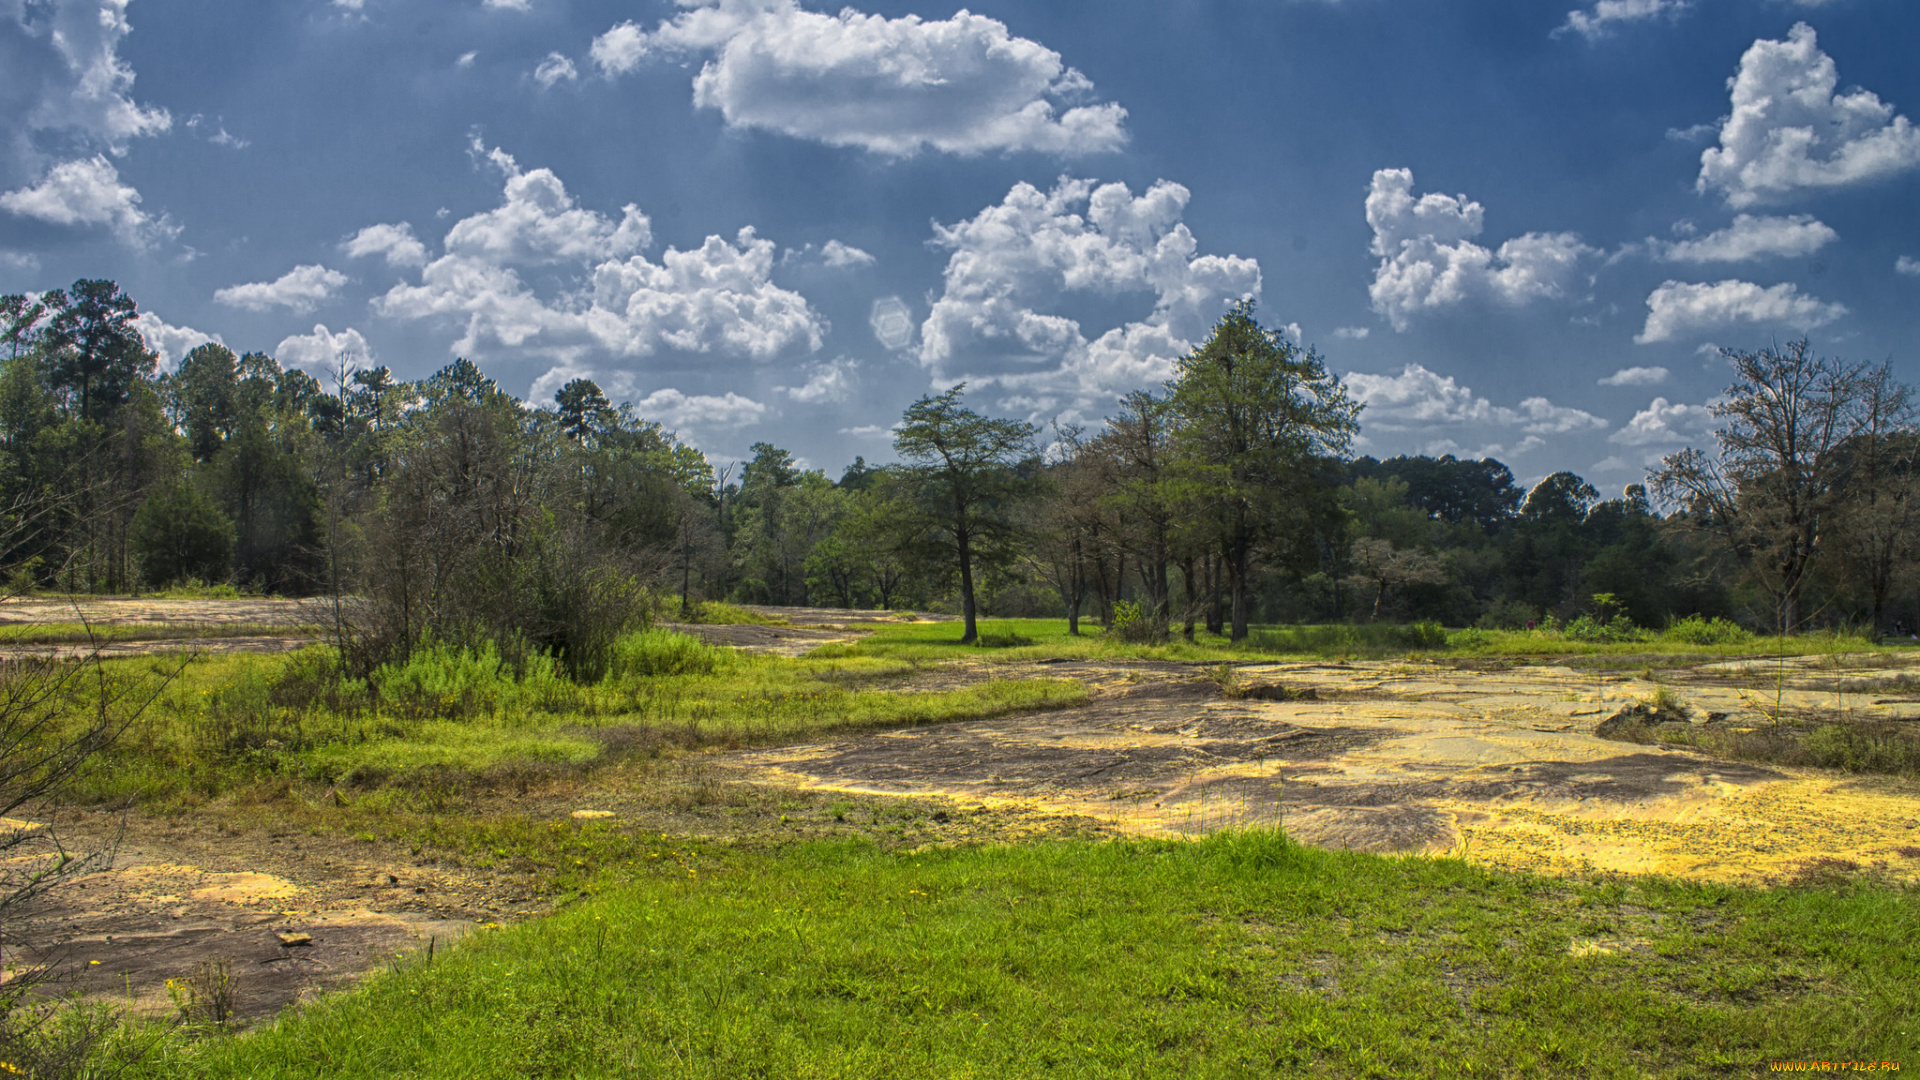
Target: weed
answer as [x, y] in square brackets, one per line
[206, 996]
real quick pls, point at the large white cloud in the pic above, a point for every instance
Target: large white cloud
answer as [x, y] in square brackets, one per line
[396, 242]
[539, 223]
[88, 192]
[299, 290]
[171, 343]
[1017, 263]
[1598, 20]
[321, 351]
[65, 78]
[1790, 133]
[717, 298]
[1680, 309]
[65, 97]
[1750, 237]
[831, 381]
[701, 411]
[1418, 399]
[891, 86]
[1663, 423]
[1429, 262]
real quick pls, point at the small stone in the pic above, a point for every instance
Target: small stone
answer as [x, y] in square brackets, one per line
[292, 940]
[591, 815]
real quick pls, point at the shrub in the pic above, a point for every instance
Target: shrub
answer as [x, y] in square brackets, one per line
[1132, 624]
[653, 653]
[1425, 634]
[1590, 629]
[1695, 630]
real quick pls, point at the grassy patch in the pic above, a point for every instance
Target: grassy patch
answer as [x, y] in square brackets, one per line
[719, 613]
[1241, 955]
[1047, 639]
[231, 721]
[1889, 747]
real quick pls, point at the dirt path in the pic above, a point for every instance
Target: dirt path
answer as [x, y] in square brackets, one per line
[1502, 767]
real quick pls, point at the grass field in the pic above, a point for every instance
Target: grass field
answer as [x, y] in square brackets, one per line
[1038, 639]
[1239, 956]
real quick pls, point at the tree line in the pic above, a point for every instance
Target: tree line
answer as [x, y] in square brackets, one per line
[1229, 496]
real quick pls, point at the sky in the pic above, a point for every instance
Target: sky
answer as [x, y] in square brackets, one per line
[1515, 229]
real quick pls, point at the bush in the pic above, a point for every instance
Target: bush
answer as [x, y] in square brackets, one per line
[654, 653]
[1695, 630]
[1425, 634]
[1589, 629]
[1133, 625]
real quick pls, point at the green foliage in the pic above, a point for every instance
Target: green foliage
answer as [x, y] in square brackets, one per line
[1133, 625]
[1695, 630]
[179, 535]
[653, 653]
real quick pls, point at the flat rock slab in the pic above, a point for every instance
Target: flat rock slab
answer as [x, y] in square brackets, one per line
[142, 611]
[1501, 767]
[121, 935]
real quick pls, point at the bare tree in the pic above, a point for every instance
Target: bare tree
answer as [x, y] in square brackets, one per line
[1877, 540]
[1775, 490]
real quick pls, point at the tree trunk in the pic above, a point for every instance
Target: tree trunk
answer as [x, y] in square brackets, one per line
[1192, 597]
[965, 546]
[1238, 570]
[1216, 615]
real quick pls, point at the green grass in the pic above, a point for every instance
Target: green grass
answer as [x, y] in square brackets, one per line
[1239, 956]
[1044, 639]
[720, 613]
[229, 721]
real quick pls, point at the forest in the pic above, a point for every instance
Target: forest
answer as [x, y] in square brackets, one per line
[1226, 498]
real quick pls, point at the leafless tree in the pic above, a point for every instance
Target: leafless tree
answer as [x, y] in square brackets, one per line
[1776, 488]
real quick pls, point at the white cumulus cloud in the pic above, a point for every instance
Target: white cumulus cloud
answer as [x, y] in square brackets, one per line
[88, 192]
[1750, 237]
[1907, 265]
[1790, 133]
[1663, 423]
[1016, 263]
[830, 381]
[718, 297]
[300, 289]
[396, 242]
[679, 410]
[539, 223]
[964, 85]
[1418, 398]
[1597, 20]
[836, 254]
[1678, 309]
[1353, 333]
[555, 68]
[170, 343]
[1636, 376]
[321, 351]
[65, 67]
[1429, 262]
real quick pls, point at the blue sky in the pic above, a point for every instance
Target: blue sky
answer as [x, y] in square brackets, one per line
[1517, 229]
